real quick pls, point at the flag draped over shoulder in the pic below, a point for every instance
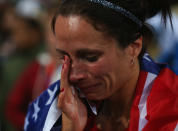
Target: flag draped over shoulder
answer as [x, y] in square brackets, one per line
[155, 106]
[41, 112]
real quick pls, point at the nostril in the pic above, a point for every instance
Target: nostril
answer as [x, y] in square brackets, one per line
[75, 77]
[72, 78]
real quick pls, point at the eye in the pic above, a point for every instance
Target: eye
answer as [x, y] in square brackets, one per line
[91, 58]
[89, 55]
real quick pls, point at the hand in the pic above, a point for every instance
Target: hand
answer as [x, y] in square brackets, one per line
[74, 112]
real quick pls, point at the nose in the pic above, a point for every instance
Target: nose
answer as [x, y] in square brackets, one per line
[77, 74]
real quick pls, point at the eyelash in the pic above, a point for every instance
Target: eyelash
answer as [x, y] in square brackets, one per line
[91, 58]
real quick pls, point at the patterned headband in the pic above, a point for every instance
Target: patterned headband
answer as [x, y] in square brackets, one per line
[119, 9]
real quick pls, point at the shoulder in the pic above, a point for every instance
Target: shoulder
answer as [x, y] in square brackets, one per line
[162, 109]
[164, 76]
[156, 97]
[163, 96]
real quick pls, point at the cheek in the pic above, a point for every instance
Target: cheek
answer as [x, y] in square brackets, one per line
[99, 68]
[102, 72]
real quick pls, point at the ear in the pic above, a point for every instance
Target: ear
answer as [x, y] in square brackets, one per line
[135, 48]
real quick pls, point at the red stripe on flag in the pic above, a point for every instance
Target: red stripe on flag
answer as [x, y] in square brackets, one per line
[162, 103]
[134, 115]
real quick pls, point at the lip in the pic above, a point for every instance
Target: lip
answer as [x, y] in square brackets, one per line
[89, 88]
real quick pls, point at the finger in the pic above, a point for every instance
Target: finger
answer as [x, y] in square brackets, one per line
[67, 99]
[61, 100]
[65, 73]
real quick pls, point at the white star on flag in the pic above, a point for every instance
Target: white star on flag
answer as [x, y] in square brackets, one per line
[51, 95]
[26, 122]
[36, 110]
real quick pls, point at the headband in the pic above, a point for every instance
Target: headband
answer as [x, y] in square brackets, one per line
[119, 9]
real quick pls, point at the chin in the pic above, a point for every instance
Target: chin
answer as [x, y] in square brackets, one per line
[97, 92]
[94, 97]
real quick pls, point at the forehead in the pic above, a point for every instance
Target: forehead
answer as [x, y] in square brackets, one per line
[73, 26]
[76, 32]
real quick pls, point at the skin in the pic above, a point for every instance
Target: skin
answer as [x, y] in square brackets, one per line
[94, 63]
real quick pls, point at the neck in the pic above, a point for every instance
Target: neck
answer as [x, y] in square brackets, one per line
[115, 112]
[122, 100]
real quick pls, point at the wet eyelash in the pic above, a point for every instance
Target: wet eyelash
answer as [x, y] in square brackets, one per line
[92, 58]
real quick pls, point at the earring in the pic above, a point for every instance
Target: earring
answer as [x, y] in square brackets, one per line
[133, 60]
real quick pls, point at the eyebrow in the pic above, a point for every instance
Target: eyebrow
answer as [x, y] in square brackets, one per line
[62, 52]
[88, 51]
[81, 52]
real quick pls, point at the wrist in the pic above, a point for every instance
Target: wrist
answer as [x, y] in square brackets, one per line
[72, 124]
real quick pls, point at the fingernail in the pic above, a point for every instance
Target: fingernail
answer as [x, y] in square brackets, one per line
[62, 90]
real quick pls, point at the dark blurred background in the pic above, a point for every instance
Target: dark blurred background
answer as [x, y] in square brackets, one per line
[27, 57]
[28, 60]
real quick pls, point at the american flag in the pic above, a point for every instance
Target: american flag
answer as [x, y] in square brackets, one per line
[43, 112]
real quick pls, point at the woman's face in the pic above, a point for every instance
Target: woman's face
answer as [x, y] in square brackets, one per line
[98, 66]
